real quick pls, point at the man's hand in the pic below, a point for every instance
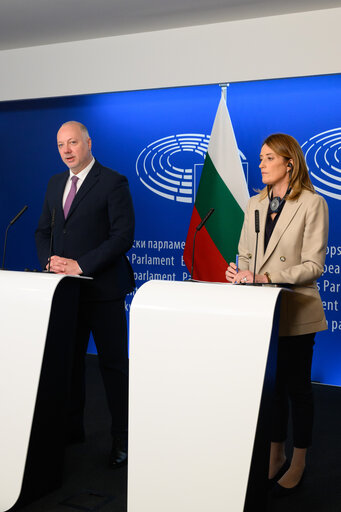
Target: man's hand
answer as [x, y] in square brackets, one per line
[65, 266]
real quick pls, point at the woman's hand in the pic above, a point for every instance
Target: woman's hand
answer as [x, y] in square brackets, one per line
[243, 276]
[231, 272]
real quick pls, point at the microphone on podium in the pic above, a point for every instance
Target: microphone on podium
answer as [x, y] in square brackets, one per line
[256, 231]
[53, 217]
[18, 215]
[198, 228]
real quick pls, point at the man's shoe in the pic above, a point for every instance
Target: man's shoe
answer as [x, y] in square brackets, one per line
[119, 453]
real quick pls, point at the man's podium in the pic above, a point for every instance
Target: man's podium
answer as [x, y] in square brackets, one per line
[38, 317]
[202, 370]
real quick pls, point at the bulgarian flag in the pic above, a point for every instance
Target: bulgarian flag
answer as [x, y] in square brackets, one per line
[222, 187]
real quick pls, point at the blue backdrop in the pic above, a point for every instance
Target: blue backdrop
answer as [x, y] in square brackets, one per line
[153, 137]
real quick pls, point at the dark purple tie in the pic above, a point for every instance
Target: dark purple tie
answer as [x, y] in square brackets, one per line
[70, 196]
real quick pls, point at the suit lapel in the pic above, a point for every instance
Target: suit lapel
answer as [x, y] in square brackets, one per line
[91, 180]
[289, 210]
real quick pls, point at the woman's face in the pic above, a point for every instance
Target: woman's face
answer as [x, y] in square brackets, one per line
[274, 168]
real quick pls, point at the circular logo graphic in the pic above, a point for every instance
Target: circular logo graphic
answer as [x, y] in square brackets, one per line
[323, 156]
[170, 166]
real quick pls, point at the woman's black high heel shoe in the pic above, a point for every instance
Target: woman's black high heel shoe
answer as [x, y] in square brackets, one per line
[283, 469]
[279, 491]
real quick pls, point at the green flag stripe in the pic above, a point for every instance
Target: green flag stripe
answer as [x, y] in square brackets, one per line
[225, 224]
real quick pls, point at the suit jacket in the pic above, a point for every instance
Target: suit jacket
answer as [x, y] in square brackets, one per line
[98, 231]
[295, 255]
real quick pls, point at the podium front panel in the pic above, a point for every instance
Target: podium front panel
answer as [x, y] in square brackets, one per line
[198, 354]
[25, 307]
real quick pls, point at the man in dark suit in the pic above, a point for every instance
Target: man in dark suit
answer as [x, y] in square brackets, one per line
[91, 211]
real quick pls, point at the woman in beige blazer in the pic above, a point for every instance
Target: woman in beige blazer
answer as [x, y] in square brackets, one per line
[293, 221]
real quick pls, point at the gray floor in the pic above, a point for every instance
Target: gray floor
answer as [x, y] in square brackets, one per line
[90, 485]
[320, 490]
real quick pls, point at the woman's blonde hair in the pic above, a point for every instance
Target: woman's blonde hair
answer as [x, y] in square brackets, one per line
[288, 147]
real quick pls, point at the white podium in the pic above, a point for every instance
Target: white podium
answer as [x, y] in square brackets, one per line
[199, 367]
[37, 318]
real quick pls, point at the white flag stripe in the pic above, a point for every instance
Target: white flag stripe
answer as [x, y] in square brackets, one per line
[223, 151]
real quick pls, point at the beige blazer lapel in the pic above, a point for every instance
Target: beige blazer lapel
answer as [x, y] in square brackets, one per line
[288, 213]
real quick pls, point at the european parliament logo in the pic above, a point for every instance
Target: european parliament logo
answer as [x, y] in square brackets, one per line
[171, 167]
[323, 156]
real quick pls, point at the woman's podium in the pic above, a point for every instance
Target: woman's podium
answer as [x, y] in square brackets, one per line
[38, 316]
[202, 368]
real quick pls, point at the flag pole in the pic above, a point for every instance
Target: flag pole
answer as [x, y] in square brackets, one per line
[224, 87]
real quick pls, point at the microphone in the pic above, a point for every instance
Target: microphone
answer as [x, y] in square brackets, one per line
[198, 228]
[18, 215]
[257, 221]
[256, 231]
[53, 217]
[205, 219]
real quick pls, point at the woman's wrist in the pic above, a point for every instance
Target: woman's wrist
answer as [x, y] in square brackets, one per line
[267, 277]
[262, 279]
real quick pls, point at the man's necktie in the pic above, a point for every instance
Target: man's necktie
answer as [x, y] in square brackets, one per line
[70, 196]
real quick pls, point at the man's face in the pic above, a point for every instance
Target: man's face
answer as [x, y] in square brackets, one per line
[74, 147]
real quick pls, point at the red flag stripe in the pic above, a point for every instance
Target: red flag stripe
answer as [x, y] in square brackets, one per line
[206, 256]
